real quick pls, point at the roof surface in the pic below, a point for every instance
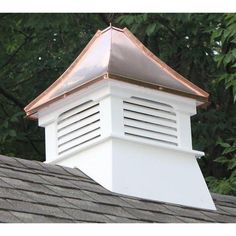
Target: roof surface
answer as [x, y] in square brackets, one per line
[32, 191]
[116, 54]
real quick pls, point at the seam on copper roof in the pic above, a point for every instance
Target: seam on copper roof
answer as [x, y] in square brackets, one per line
[56, 83]
[108, 67]
[164, 66]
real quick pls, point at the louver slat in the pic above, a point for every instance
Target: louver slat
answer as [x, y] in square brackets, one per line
[149, 134]
[149, 111]
[77, 117]
[78, 141]
[74, 110]
[78, 133]
[150, 120]
[151, 104]
[151, 127]
[77, 126]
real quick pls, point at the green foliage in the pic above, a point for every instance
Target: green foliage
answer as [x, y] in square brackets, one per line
[225, 43]
[37, 48]
[225, 185]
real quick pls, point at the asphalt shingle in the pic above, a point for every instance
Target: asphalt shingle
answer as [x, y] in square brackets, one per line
[57, 181]
[115, 219]
[69, 192]
[220, 218]
[107, 199]
[85, 185]
[47, 199]
[4, 184]
[75, 172]
[5, 205]
[86, 216]
[21, 175]
[190, 220]
[223, 198]
[147, 205]
[10, 161]
[9, 193]
[228, 210]
[185, 212]
[36, 208]
[99, 208]
[55, 169]
[34, 218]
[7, 216]
[144, 215]
[34, 165]
[24, 185]
[37, 192]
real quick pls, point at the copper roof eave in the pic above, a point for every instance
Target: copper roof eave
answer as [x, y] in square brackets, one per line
[31, 113]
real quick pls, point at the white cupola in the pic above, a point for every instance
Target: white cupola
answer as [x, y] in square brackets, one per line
[122, 116]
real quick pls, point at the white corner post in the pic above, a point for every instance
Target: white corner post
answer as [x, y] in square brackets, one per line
[111, 125]
[49, 122]
[184, 112]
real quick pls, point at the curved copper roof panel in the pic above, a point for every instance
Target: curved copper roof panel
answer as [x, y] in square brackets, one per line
[118, 54]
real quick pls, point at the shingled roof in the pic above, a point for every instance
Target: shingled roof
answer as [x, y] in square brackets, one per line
[32, 191]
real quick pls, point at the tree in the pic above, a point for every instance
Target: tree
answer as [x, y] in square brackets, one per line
[37, 48]
[35, 51]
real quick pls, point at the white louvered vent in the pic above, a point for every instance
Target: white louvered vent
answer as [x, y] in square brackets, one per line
[150, 120]
[77, 126]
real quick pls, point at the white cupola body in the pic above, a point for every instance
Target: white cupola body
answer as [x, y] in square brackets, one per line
[122, 116]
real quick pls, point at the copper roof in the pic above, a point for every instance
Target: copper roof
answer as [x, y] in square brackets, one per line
[117, 54]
